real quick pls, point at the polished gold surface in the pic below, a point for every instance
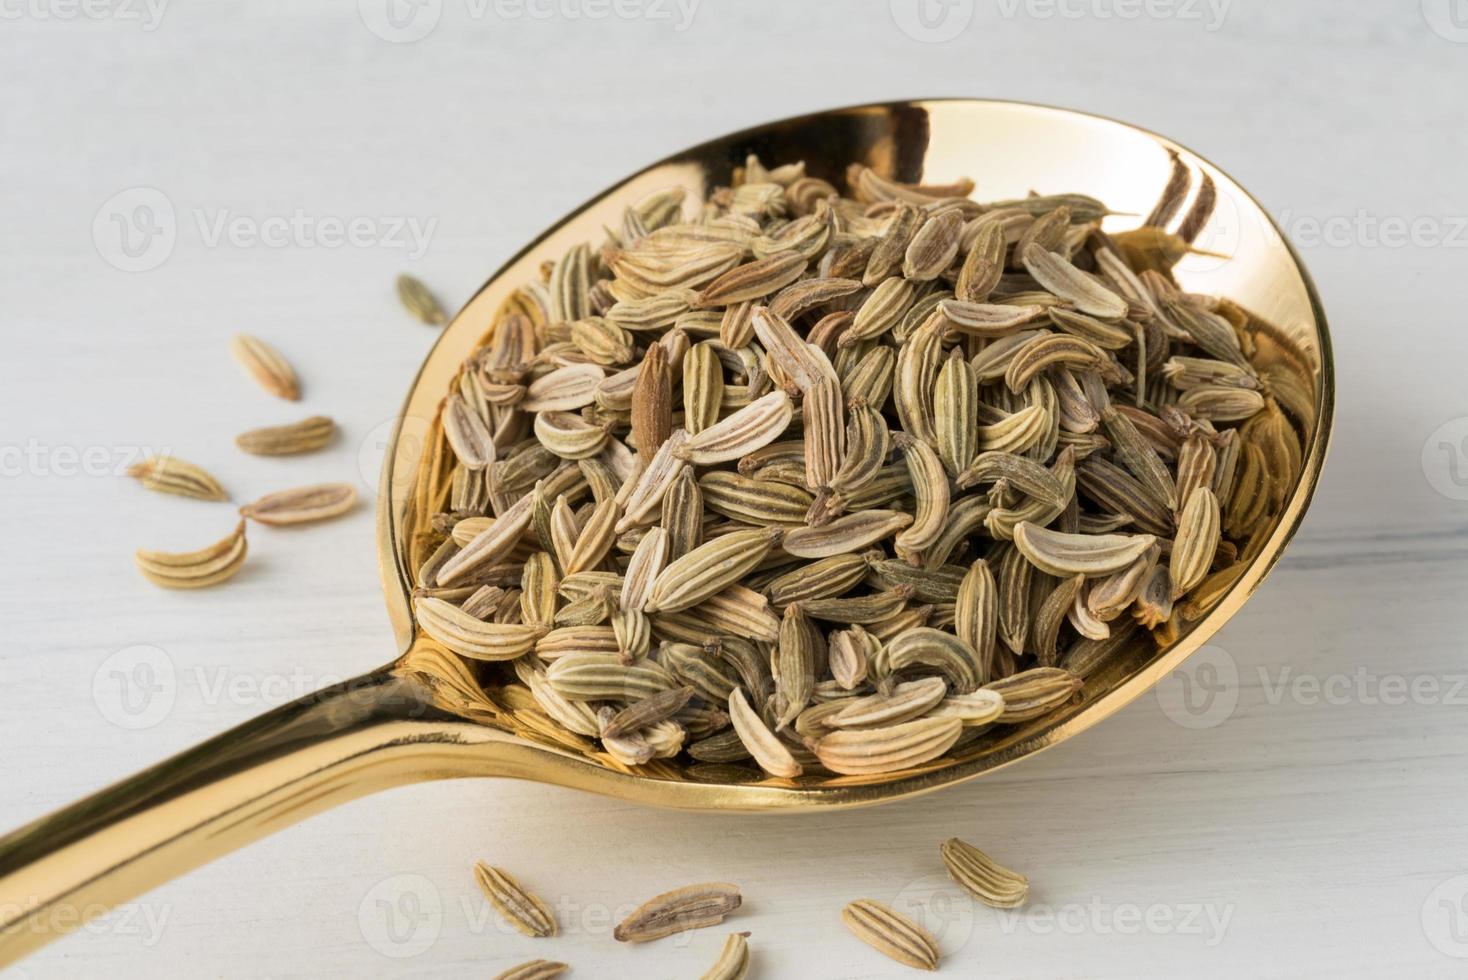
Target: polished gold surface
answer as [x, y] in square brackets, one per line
[411, 721]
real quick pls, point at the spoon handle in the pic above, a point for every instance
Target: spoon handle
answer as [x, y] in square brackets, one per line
[297, 760]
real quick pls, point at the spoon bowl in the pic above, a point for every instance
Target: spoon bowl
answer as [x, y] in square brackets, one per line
[426, 714]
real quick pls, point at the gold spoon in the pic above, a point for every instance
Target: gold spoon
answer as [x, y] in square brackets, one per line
[424, 717]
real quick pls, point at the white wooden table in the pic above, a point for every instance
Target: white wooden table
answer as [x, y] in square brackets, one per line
[1314, 826]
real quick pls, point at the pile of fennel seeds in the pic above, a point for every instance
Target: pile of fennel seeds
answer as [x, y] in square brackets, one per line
[835, 483]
